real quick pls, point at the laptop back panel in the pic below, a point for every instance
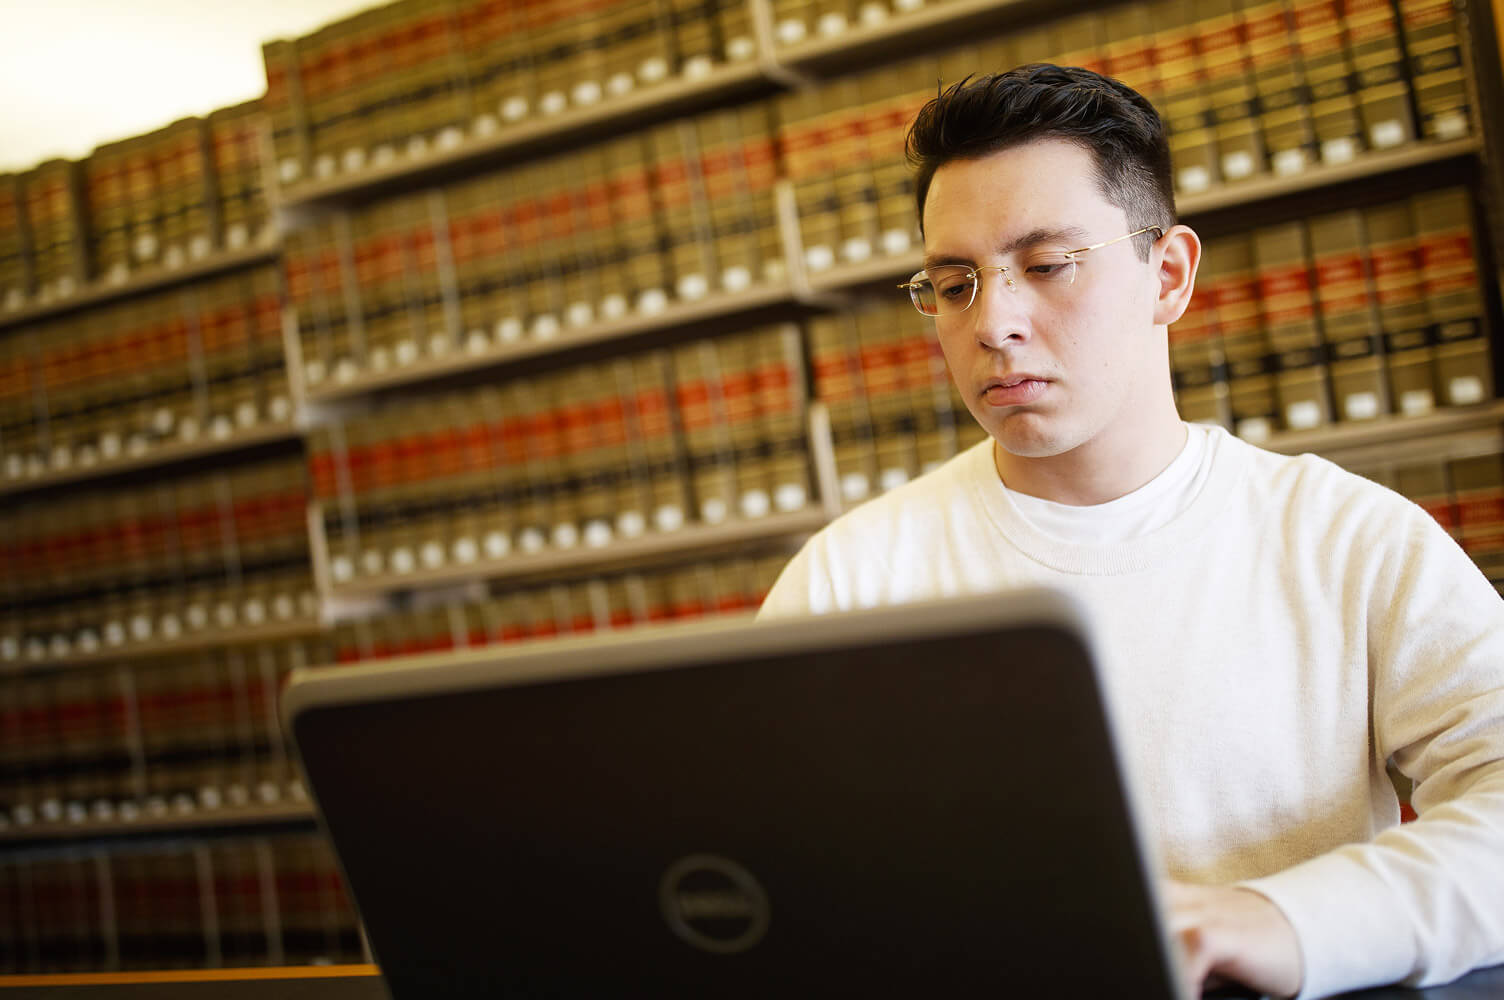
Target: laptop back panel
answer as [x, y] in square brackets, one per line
[896, 814]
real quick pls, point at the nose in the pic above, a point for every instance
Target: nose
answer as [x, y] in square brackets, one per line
[999, 315]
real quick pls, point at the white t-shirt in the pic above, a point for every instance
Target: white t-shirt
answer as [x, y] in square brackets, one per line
[1266, 649]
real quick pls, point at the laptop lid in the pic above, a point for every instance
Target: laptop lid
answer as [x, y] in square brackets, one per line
[917, 800]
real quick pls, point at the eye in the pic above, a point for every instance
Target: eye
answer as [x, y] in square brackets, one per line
[1051, 268]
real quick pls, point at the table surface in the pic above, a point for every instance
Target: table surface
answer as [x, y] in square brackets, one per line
[364, 982]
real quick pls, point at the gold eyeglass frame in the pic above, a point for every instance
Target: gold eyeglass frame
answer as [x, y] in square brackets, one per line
[912, 285]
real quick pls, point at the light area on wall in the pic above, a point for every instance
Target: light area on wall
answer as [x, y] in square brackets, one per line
[75, 74]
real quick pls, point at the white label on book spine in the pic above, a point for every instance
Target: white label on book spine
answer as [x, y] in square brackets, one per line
[597, 534]
[553, 102]
[432, 554]
[1465, 389]
[587, 92]
[819, 258]
[497, 544]
[1303, 414]
[514, 108]
[1254, 429]
[1388, 133]
[620, 83]
[855, 486]
[791, 30]
[736, 278]
[1361, 405]
[402, 560]
[755, 503]
[891, 477]
[831, 23]
[1238, 165]
[371, 561]
[1416, 402]
[669, 517]
[713, 510]
[531, 540]
[546, 327]
[790, 497]
[379, 359]
[1341, 150]
[1194, 179]
[631, 523]
[407, 351]
[566, 535]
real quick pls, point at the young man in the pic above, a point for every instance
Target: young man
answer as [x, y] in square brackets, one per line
[1276, 628]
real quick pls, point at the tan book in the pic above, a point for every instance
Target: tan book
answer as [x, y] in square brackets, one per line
[506, 439]
[728, 198]
[52, 197]
[15, 246]
[835, 357]
[1449, 268]
[1231, 89]
[1186, 106]
[679, 193]
[699, 393]
[750, 448]
[1252, 398]
[1320, 38]
[286, 111]
[639, 233]
[759, 158]
[498, 61]
[880, 341]
[794, 20]
[1433, 48]
[780, 381]
[639, 46]
[844, 126]
[804, 146]
[1349, 315]
[235, 158]
[543, 447]
[1373, 42]
[1399, 289]
[1279, 78]
[891, 100]
[1428, 484]
[662, 451]
[1288, 309]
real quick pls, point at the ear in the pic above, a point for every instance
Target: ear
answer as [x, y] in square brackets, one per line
[1179, 254]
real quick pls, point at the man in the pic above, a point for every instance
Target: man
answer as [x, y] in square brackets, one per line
[1275, 628]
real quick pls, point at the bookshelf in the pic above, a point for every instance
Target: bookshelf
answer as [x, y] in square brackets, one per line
[129, 651]
[172, 821]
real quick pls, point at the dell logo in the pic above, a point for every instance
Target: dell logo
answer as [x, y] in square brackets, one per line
[714, 904]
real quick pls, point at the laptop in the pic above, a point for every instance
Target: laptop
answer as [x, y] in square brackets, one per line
[855, 804]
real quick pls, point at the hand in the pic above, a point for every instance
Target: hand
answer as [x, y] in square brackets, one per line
[1233, 935]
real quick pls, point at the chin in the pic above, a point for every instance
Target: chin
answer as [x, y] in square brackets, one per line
[1027, 435]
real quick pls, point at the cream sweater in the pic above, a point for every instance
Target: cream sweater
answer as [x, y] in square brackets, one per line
[1266, 651]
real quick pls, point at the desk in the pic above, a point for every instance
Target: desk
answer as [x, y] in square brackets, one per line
[364, 982]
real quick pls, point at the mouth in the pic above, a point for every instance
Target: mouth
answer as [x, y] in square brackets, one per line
[1011, 390]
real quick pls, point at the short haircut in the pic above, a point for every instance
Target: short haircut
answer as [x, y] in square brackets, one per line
[982, 115]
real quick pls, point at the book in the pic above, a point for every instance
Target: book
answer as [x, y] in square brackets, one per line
[1445, 239]
[1399, 288]
[1373, 42]
[1252, 398]
[1289, 320]
[1279, 79]
[1437, 65]
[1320, 38]
[1349, 315]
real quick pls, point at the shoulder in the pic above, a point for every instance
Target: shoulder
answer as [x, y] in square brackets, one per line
[1312, 498]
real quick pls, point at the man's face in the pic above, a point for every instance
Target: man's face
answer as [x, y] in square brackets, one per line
[1087, 349]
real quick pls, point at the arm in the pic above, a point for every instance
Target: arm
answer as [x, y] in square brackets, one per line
[1421, 903]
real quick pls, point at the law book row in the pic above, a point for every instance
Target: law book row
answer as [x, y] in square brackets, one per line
[670, 214]
[410, 77]
[199, 363]
[150, 739]
[705, 433]
[1245, 91]
[192, 555]
[732, 585]
[239, 902]
[161, 200]
[1342, 316]
[894, 411]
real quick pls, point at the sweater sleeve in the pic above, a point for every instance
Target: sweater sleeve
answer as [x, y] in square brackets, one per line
[1421, 903]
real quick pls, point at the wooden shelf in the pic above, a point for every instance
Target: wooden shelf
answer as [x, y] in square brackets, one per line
[1388, 431]
[172, 822]
[688, 541]
[1261, 189]
[99, 293]
[177, 451]
[550, 133]
[208, 639]
[676, 315]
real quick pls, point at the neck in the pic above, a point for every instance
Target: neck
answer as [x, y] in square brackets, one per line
[1110, 465]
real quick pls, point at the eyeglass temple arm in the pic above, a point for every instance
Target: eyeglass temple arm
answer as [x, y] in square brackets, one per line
[1108, 243]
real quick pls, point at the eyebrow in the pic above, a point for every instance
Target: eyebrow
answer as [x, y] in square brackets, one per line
[1068, 235]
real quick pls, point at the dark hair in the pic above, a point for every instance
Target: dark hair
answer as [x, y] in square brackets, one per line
[986, 114]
